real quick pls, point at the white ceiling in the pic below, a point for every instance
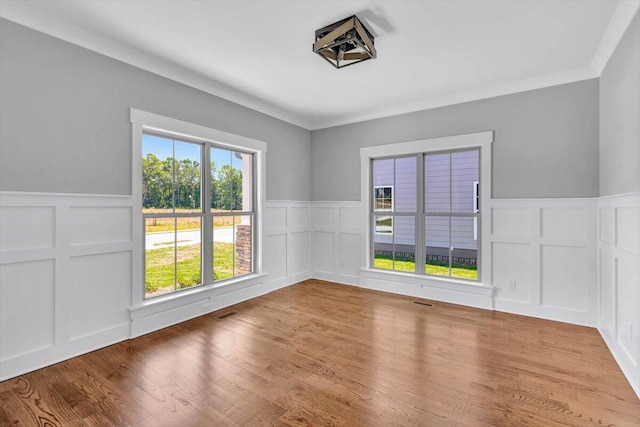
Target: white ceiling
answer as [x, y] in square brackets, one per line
[258, 53]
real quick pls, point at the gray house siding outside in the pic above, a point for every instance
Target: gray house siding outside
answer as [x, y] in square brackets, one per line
[451, 179]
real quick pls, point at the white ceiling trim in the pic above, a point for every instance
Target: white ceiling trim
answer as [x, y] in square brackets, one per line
[13, 11]
[620, 21]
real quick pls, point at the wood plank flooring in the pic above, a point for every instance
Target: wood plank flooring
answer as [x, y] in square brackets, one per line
[319, 353]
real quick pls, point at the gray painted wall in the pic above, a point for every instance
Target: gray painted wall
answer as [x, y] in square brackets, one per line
[546, 142]
[64, 120]
[620, 116]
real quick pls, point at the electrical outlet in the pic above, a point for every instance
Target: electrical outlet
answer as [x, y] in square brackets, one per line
[206, 307]
[630, 332]
[343, 263]
[512, 285]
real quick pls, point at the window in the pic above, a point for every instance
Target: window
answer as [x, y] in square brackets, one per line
[433, 215]
[198, 213]
[394, 215]
[383, 202]
[383, 198]
[451, 214]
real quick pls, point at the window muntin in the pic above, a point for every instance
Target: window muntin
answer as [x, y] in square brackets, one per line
[174, 197]
[448, 183]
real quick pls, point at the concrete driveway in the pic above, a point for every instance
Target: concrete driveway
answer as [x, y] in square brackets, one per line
[185, 238]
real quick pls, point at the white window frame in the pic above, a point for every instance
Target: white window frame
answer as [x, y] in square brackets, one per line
[476, 208]
[142, 121]
[481, 141]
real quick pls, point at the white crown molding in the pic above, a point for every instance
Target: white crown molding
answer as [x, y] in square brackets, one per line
[620, 21]
[16, 12]
[549, 80]
[20, 14]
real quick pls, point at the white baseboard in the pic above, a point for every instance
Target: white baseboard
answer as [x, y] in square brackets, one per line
[548, 313]
[629, 369]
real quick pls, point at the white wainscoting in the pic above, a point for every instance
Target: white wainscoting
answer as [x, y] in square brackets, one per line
[65, 284]
[286, 240]
[619, 280]
[337, 257]
[547, 248]
[286, 243]
[336, 243]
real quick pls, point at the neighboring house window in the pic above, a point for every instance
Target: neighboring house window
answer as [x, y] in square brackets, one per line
[383, 198]
[383, 202]
[198, 212]
[434, 215]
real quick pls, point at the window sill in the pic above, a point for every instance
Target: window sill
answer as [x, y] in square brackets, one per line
[187, 296]
[430, 281]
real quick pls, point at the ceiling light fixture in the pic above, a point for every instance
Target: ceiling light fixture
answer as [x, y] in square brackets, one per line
[345, 42]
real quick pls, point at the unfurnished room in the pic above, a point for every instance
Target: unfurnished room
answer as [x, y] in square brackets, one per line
[319, 213]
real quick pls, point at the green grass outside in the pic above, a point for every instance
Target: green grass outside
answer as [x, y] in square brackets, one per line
[160, 266]
[458, 271]
[158, 225]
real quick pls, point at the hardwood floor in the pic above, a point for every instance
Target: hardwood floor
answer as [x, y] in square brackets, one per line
[319, 353]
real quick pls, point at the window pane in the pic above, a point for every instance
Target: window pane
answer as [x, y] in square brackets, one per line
[243, 234]
[383, 242]
[437, 245]
[160, 267]
[157, 174]
[405, 184]
[189, 252]
[223, 253]
[187, 174]
[464, 256]
[404, 247]
[221, 180]
[465, 172]
[242, 181]
[437, 183]
[383, 184]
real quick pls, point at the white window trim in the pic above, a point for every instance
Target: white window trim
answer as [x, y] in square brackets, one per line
[144, 121]
[481, 140]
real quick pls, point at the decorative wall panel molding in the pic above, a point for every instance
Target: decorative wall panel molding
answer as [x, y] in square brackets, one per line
[543, 254]
[336, 241]
[619, 280]
[572, 260]
[286, 260]
[65, 276]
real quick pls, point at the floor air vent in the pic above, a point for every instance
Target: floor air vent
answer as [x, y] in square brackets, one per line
[427, 304]
[225, 315]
